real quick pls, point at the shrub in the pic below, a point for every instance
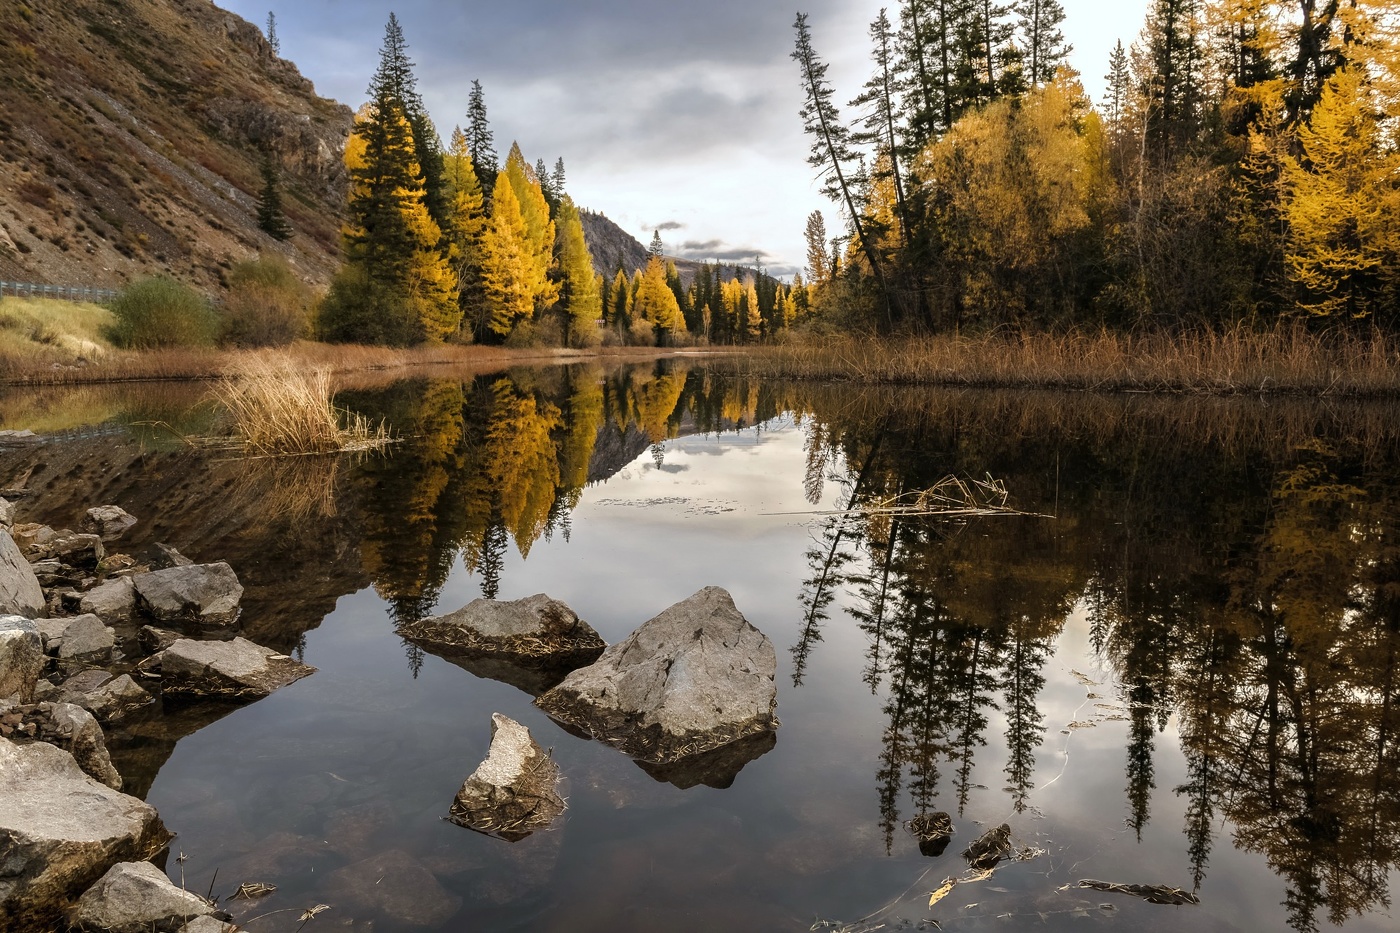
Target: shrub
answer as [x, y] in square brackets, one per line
[267, 305]
[160, 312]
[359, 310]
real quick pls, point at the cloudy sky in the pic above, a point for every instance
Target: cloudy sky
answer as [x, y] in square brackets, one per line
[670, 115]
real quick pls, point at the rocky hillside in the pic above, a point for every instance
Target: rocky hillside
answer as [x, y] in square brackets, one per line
[610, 244]
[131, 134]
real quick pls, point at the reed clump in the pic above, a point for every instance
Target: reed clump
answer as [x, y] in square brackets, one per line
[279, 408]
[1235, 361]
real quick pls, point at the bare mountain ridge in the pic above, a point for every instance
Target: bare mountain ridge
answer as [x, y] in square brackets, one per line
[131, 139]
[611, 245]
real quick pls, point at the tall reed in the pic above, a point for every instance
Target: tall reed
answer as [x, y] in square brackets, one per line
[280, 408]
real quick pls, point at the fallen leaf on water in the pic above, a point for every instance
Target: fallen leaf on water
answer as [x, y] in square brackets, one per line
[311, 912]
[942, 892]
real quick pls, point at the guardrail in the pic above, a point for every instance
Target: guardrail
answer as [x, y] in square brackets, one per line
[59, 292]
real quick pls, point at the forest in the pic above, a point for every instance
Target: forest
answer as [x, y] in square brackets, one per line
[1241, 170]
[444, 244]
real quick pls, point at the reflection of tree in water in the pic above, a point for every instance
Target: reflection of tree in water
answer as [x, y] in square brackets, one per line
[1241, 586]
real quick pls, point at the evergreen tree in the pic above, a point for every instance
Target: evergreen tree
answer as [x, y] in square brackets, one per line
[271, 220]
[508, 274]
[583, 306]
[394, 80]
[539, 228]
[656, 250]
[1044, 44]
[272, 39]
[558, 180]
[878, 100]
[551, 197]
[621, 309]
[465, 234]
[818, 263]
[480, 140]
[1174, 87]
[1119, 86]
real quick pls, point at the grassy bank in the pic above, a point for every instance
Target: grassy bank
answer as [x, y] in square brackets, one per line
[1234, 362]
[45, 342]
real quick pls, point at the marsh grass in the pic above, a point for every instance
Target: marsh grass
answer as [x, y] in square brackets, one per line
[45, 332]
[1236, 361]
[281, 408]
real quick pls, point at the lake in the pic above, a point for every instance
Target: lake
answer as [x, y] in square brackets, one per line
[1163, 646]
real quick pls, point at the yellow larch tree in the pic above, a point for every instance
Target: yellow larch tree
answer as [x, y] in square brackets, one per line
[656, 303]
[466, 232]
[539, 228]
[506, 268]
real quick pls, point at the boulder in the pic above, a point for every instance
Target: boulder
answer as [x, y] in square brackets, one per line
[109, 700]
[137, 897]
[60, 831]
[529, 643]
[7, 513]
[21, 658]
[512, 793]
[108, 522]
[20, 593]
[693, 679]
[42, 543]
[225, 670]
[207, 594]
[113, 601]
[86, 638]
[73, 729]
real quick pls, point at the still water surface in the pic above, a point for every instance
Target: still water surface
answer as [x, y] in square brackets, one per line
[1180, 669]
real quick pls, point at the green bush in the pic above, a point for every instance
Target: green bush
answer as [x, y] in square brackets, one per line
[359, 310]
[267, 305]
[160, 312]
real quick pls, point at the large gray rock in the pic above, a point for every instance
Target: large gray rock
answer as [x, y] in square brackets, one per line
[113, 601]
[109, 700]
[40, 543]
[529, 643]
[60, 831]
[225, 670]
[86, 638]
[693, 679]
[512, 793]
[20, 593]
[21, 658]
[207, 594]
[7, 513]
[73, 729]
[108, 522]
[137, 897]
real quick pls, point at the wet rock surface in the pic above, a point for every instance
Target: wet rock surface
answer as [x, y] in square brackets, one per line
[695, 678]
[203, 594]
[530, 643]
[21, 657]
[933, 830]
[718, 768]
[393, 888]
[20, 592]
[61, 830]
[137, 897]
[513, 792]
[225, 670]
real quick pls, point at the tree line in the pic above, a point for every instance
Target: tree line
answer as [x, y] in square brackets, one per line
[1244, 166]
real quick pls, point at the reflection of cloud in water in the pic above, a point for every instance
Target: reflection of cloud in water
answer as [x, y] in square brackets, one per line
[697, 506]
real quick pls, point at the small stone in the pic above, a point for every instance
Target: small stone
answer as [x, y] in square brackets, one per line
[137, 897]
[202, 593]
[108, 521]
[226, 670]
[512, 793]
[21, 658]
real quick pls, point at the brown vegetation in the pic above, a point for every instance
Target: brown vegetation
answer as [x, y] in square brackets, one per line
[1230, 362]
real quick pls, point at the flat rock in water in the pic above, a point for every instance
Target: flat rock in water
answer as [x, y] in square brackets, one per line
[226, 670]
[207, 924]
[86, 638]
[207, 594]
[113, 601]
[989, 848]
[20, 592]
[108, 701]
[693, 679]
[21, 658]
[61, 831]
[394, 888]
[108, 522]
[137, 897]
[529, 643]
[512, 793]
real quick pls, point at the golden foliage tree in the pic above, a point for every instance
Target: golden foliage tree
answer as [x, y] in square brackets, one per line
[539, 228]
[507, 265]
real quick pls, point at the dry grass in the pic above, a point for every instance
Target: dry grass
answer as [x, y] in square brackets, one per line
[42, 333]
[280, 407]
[1231, 362]
[337, 359]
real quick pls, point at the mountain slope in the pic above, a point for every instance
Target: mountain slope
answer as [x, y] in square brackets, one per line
[131, 134]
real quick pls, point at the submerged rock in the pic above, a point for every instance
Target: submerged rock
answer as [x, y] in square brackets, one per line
[512, 793]
[529, 643]
[113, 601]
[21, 658]
[225, 670]
[137, 897]
[155, 640]
[109, 522]
[693, 679]
[20, 593]
[393, 887]
[991, 847]
[61, 830]
[207, 594]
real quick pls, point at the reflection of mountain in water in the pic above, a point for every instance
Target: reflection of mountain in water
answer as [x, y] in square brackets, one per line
[1238, 568]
